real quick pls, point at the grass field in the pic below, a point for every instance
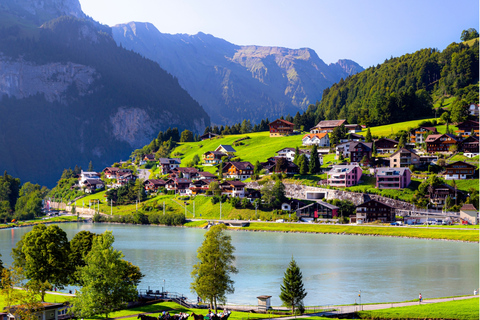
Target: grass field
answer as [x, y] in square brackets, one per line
[469, 235]
[388, 129]
[38, 221]
[465, 185]
[461, 309]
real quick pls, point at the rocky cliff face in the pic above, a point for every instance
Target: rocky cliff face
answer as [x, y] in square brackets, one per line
[236, 82]
[41, 11]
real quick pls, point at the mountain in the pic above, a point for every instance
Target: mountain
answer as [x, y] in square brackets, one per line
[69, 95]
[236, 82]
[405, 88]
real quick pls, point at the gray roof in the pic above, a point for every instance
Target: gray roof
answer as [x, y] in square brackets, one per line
[394, 171]
[227, 148]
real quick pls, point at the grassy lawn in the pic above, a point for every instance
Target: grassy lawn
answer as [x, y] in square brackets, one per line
[470, 235]
[53, 298]
[388, 129]
[465, 185]
[461, 309]
[39, 221]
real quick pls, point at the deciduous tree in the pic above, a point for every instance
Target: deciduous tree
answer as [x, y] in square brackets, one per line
[292, 292]
[211, 274]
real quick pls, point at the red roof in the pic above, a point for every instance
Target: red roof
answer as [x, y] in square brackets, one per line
[281, 120]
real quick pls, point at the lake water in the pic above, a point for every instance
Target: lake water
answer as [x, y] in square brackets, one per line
[334, 267]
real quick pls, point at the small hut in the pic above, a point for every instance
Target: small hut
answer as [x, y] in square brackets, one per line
[263, 303]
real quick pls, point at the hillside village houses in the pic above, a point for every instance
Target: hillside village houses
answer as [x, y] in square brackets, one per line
[289, 154]
[318, 139]
[280, 128]
[404, 158]
[344, 175]
[392, 178]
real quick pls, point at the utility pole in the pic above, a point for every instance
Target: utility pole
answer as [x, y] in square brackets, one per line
[163, 207]
[194, 207]
[111, 207]
[220, 208]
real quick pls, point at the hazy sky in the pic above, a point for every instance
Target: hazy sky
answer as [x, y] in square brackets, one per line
[366, 31]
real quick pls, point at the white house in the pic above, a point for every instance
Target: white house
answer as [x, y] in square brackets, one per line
[319, 139]
[289, 154]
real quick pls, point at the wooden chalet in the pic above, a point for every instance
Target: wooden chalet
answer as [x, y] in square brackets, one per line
[152, 185]
[208, 135]
[385, 145]
[438, 194]
[213, 157]
[233, 188]
[468, 127]
[168, 164]
[205, 175]
[470, 144]
[417, 134]
[288, 167]
[226, 149]
[184, 172]
[238, 170]
[459, 170]
[441, 142]
[149, 158]
[200, 186]
[327, 126]
[180, 185]
[374, 210]
[91, 185]
[280, 127]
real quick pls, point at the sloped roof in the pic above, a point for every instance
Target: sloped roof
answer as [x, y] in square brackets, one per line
[226, 147]
[330, 123]
[284, 121]
[402, 150]
[313, 135]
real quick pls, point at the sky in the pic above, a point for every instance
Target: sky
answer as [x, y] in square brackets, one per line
[367, 32]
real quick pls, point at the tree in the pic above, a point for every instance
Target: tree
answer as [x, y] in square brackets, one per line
[303, 164]
[211, 274]
[257, 168]
[368, 136]
[278, 193]
[469, 34]
[215, 188]
[459, 111]
[107, 278]
[80, 246]
[90, 167]
[292, 292]
[43, 254]
[314, 161]
[280, 165]
[186, 136]
[296, 156]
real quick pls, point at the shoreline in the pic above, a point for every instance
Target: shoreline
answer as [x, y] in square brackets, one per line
[248, 230]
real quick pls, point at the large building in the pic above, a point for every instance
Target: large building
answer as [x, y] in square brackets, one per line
[392, 178]
[344, 175]
[404, 158]
[280, 128]
[459, 170]
[441, 142]
[374, 210]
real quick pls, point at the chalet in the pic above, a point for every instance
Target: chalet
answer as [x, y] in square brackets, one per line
[353, 128]
[469, 213]
[392, 178]
[404, 158]
[344, 175]
[233, 188]
[205, 175]
[200, 186]
[168, 164]
[327, 126]
[280, 127]
[123, 177]
[289, 154]
[354, 150]
[180, 185]
[470, 144]
[89, 175]
[441, 142]
[238, 170]
[319, 139]
[115, 173]
[438, 194]
[48, 311]
[374, 210]
[288, 167]
[91, 185]
[213, 157]
[149, 158]
[459, 170]
[226, 149]
[252, 194]
[467, 127]
[152, 185]
[208, 135]
[184, 172]
[384, 145]
[318, 209]
[417, 135]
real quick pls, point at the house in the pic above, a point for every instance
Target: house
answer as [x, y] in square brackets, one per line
[180, 185]
[213, 157]
[467, 127]
[470, 144]
[226, 149]
[441, 142]
[374, 210]
[292, 204]
[152, 185]
[205, 175]
[91, 185]
[238, 170]
[403, 158]
[123, 177]
[353, 128]
[355, 150]
[208, 135]
[289, 154]
[438, 194]
[327, 126]
[200, 186]
[344, 175]
[48, 311]
[184, 172]
[473, 110]
[110, 172]
[168, 164]
[233, 188]
[288, 167]
[459, 170]
[280, 127]
[417, 134]
[319, 139]
[149, 158]
[318, 209]
[385, 145]
[89, 175]
[392, 178]
[469, 213]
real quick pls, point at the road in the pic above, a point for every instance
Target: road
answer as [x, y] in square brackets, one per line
[143, 174]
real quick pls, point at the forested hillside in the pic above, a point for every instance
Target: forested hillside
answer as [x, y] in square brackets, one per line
[404, 88]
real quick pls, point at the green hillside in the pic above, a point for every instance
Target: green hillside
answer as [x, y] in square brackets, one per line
[388, 129]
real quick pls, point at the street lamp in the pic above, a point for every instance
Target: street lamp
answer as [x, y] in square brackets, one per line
[360, 298]
[163, 286]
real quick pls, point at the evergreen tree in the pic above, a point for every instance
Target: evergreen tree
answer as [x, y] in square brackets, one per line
[314, 161]
[90, 167]
[187, 136]
[303, 164]
[368, 136]
[257, 168]
[296, 156]
[292, 291]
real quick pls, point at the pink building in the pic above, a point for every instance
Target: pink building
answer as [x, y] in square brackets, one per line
[344, 175]
[392, 178]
